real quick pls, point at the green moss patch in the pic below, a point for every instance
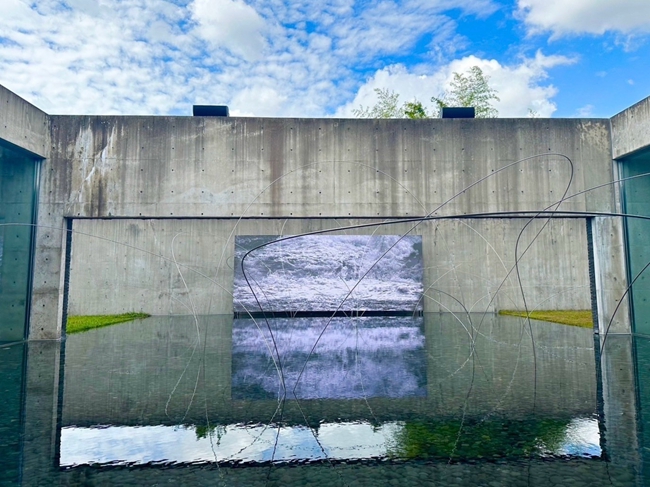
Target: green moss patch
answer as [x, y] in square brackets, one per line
[581, 318]
[76, 324]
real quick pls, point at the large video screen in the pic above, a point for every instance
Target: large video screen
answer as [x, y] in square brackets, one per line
[328, 272]
[336, 317]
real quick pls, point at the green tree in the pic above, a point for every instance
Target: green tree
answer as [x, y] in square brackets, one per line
[415, 110]
[471, 89]
[387, 106]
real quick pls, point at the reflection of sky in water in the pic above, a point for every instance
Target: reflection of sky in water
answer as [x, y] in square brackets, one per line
[121, 444]
[582, 438]
[236, 443]
[354, 358]
[316, 273]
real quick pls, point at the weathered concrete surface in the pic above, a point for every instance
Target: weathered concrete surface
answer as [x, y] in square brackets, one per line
[528, 473]
[610, 275]
[631, 129]
[23, 125]
[26, 127]
[166, 167]
[620, 401]
[41, 412]
[182, 266]
[156, 371]
[189, 166]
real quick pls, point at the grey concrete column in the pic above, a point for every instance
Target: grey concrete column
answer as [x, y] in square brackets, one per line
[610, 275]
[48, 282]
[41, 408]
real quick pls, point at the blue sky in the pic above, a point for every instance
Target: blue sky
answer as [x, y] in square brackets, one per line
[301, 58]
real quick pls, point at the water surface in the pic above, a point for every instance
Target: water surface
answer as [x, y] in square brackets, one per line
[438, 400]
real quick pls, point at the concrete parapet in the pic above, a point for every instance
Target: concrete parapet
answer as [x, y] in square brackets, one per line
[631, 129]
[196, 167]
[23, 125]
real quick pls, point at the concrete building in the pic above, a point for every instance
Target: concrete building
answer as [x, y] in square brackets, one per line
[109, 214]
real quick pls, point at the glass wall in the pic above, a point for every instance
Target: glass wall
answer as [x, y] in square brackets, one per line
[636, 199]
[18, 173]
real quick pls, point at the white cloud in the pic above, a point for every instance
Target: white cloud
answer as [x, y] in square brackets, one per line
[15, 10]
[125, 57]
[261, 57]
[585, 111]
[564, 17]
[231, 24]
[520, 87]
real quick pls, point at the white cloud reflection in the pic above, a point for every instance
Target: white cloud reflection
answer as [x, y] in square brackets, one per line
[237, 443]
[233, 443]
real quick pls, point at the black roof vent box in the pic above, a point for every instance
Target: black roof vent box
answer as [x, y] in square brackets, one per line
[210, 111]
[458, 112]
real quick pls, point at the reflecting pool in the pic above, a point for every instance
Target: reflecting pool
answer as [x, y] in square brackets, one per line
[439, 399]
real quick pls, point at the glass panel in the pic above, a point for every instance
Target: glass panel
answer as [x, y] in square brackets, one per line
[17, 197]
[637, 202]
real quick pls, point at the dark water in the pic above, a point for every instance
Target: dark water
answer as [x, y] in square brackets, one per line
[473, 400]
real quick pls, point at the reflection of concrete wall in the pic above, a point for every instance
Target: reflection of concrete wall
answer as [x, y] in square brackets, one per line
[148, 372]
[494, 363]
[127, 265]
[193, 167]
[164, 368]
[40, 416]
[530, 473]
[620, 407]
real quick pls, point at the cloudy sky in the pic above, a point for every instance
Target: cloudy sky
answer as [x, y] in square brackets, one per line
[304, 58]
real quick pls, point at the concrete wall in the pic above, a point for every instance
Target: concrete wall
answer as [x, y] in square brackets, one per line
[176, 266]
[23, 127]
[189, 166]
[631, 148]
[610, 275]
[631, 129]
[22, 124]
[166, 167]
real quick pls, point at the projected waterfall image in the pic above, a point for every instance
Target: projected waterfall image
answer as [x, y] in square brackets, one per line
[328, 273]
[336, 357]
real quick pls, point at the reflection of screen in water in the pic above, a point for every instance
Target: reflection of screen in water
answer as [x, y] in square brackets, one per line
[354, 358]
[329, 272]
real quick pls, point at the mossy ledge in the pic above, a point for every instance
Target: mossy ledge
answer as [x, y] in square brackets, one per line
[582, 318]
[76, 324]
